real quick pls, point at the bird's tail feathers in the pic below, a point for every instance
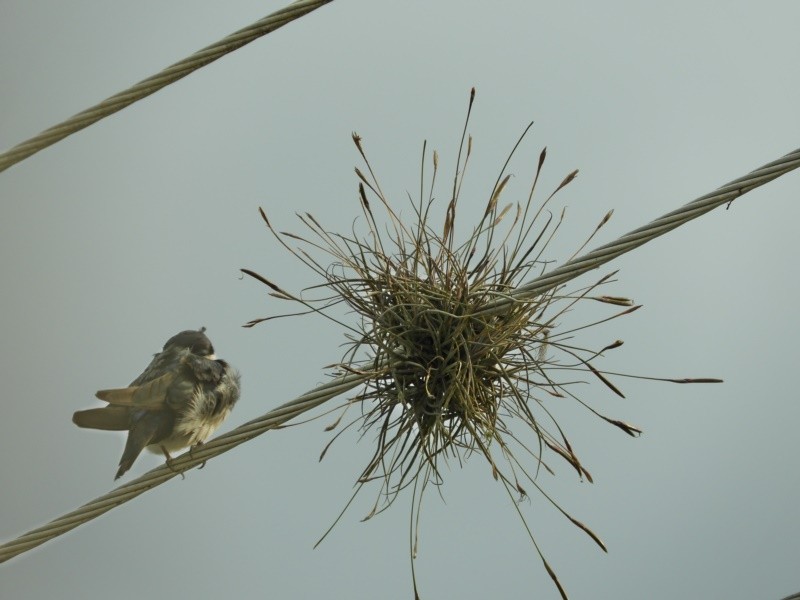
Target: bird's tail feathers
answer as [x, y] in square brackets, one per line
[108, 418]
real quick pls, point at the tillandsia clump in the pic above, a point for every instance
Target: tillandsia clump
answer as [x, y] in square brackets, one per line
[448, 371]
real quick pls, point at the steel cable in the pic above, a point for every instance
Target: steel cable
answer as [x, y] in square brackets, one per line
[155, 82]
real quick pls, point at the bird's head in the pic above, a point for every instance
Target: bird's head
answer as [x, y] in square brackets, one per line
[194, 340]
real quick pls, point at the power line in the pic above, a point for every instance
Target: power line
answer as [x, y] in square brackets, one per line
[155, 82]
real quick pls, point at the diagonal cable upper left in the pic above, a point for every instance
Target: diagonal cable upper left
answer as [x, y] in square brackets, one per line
[152, 84]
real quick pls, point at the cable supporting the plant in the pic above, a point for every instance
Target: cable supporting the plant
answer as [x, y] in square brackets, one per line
[346, 382]
[599, 256]
[152, 84]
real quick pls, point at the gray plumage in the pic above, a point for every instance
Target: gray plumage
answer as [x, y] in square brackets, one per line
[180, 399]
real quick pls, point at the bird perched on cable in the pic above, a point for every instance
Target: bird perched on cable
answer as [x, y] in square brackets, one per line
[180, 399]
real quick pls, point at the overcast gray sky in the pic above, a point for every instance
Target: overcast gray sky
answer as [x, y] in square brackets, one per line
[135, 228]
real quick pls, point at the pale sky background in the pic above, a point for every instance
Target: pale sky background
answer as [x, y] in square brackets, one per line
[120, 236]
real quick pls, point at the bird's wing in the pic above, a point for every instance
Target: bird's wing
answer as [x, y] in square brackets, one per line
[151, 395]
[163, 362]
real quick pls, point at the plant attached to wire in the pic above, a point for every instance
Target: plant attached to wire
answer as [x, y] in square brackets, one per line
[447, 375]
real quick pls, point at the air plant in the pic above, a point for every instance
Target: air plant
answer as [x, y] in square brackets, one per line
[446, 375]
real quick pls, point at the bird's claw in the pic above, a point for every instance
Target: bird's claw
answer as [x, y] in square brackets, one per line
[170, 462]
[191, 448]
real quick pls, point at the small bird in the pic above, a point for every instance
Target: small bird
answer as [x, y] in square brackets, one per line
[180, 399]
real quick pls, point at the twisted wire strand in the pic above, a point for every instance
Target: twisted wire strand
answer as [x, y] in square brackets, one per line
[162, 79]
[343, 383]
[633, 239]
